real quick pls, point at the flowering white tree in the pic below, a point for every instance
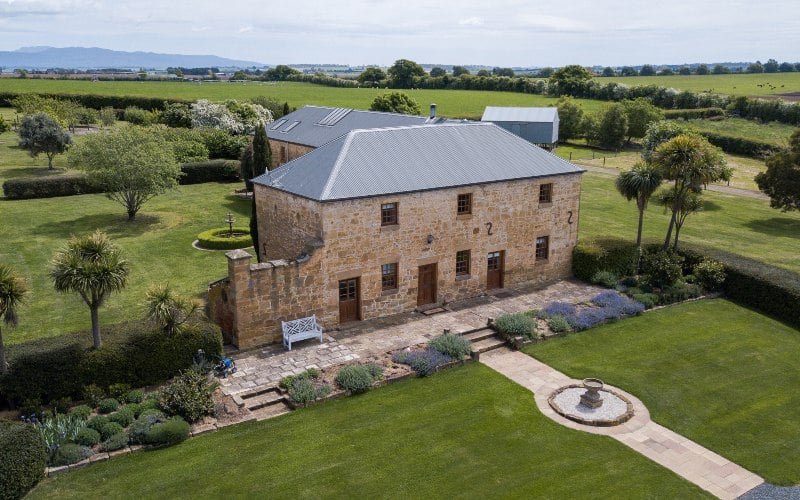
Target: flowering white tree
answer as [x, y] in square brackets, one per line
[232, 116]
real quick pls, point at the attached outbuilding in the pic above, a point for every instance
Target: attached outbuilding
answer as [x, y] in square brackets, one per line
[536, 125]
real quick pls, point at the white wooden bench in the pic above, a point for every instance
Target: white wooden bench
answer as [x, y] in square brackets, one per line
[300, 329]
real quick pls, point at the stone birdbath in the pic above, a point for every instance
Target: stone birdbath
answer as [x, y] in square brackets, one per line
[591, 397]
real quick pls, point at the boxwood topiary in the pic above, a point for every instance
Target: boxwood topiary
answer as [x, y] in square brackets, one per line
[169, 432]
[22, 458]
[124, 416]
[97, 422]
[87, 437]
[216, 239]
[115, 442]
[82, 411]
[135, 396]
[140, 426]
[70, 453]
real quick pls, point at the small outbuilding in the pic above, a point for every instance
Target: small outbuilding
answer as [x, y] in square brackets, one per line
[536, 125]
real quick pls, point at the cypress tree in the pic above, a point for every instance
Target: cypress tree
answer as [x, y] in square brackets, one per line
[286, 109]
[262, 153]
[246, 166]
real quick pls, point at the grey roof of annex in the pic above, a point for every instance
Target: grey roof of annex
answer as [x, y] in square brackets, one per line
[518, 114]
[317, 125]
[375, 162]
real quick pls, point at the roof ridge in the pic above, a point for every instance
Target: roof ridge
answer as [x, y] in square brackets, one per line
[326, 190]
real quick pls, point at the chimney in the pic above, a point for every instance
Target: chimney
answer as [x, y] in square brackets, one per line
[433, 111]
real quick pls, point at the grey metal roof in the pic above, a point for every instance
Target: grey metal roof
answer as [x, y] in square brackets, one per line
[317, 125]
[500, 114]
[364, 163]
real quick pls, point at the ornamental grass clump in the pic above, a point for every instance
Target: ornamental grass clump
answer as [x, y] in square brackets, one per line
[454, 346]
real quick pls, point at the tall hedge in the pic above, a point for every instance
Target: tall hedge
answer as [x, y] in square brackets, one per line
[605, 254]
[22, 459]
[133, 353]
[97, 101]
[210, 171]
[740, 145]
[769, 289]
[48, 187]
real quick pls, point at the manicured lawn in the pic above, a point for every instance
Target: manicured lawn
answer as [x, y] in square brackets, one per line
[737, 224]
[734, 84]
[719, 374]
[157, 244]
[452, 103]
[468, 432]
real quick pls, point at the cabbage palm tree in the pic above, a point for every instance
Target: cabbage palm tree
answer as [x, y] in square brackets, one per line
[639, 183]
[93, 267]
[12, 292]
[167, 309]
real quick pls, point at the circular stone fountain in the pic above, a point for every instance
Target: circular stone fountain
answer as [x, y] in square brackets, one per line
[591, 404]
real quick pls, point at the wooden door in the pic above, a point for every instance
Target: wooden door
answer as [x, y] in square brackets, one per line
[426, 288]
[349, 304]
[494, 270]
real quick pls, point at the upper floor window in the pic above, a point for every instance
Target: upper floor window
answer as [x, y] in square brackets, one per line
[388, 214]
[542, 247]
[464, 204]
[546, 193]
[462, 262]
[389, 276]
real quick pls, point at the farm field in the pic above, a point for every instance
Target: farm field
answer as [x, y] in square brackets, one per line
[451, 103]
[732, 84]
[713, 371]
[773, 132]
[465, 432]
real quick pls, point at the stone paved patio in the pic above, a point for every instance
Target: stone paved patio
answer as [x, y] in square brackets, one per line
[266, 366]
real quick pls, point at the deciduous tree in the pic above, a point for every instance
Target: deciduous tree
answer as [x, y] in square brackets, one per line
[12, 292]
[372, 76]
[395, 102]
[570, 79]
[131, 164]
[39, 133]
[647, 70]
[403, 72]
[610, 128]
[460, 70]
[437, 72]
[640, 114]
[781, 180]
[570, 118]
[93, 267]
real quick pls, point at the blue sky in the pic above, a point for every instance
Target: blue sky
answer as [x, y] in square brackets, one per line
[491, 32]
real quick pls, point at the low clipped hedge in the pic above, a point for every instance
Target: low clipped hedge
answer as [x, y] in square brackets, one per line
[691, 114]
[213, 239]
[48, 187]
[219, 170]
[769, 289]
[22, 458]
[132, 353]
[612, 255]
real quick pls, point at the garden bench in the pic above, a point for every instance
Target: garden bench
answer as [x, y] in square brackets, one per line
[300, 329]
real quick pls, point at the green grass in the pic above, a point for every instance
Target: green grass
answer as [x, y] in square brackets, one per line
[773, 132]
[737, 224]
[733, 84]
[452, 103]
[157, 244]
[465, 433]
[719, 374]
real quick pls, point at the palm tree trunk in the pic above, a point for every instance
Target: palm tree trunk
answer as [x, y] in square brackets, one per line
[3, 365]
[96, 328]
[639, 231]
[668, 239]
[677, 232]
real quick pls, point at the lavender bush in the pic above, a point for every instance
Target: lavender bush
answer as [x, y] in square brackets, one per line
[424, 362]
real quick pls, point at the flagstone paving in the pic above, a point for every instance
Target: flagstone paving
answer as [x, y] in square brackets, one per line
[710, 471]
[266, 366]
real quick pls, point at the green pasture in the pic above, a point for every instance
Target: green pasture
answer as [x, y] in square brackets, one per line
[756, 84]
[468, 432]
[451, 103]
[715, 372]
[772, 132]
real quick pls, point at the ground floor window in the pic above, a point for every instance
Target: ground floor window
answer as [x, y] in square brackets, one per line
[542, 247]
[462, 262]
[389, 277]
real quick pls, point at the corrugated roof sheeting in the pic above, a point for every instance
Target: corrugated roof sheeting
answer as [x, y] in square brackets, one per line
[518, 114]
[377, 162]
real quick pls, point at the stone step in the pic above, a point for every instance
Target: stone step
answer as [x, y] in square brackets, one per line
[478, 335]
[273, 410]
[488, 344]
[262, 399]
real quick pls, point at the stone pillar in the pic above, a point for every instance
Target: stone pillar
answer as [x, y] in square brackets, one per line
[241, 293]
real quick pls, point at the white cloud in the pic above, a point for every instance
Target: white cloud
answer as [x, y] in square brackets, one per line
[471, 21]
[245, 29]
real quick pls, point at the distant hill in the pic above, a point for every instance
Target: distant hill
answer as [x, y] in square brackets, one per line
[96, 58]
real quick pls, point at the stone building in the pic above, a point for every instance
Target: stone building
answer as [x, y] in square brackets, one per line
[383, 221]
[310, 127]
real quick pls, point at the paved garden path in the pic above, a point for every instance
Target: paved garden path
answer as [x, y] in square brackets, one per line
[266, 366]
[706, 469]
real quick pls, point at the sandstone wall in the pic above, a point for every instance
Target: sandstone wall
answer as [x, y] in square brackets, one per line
[283, 151]
[286, 223]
